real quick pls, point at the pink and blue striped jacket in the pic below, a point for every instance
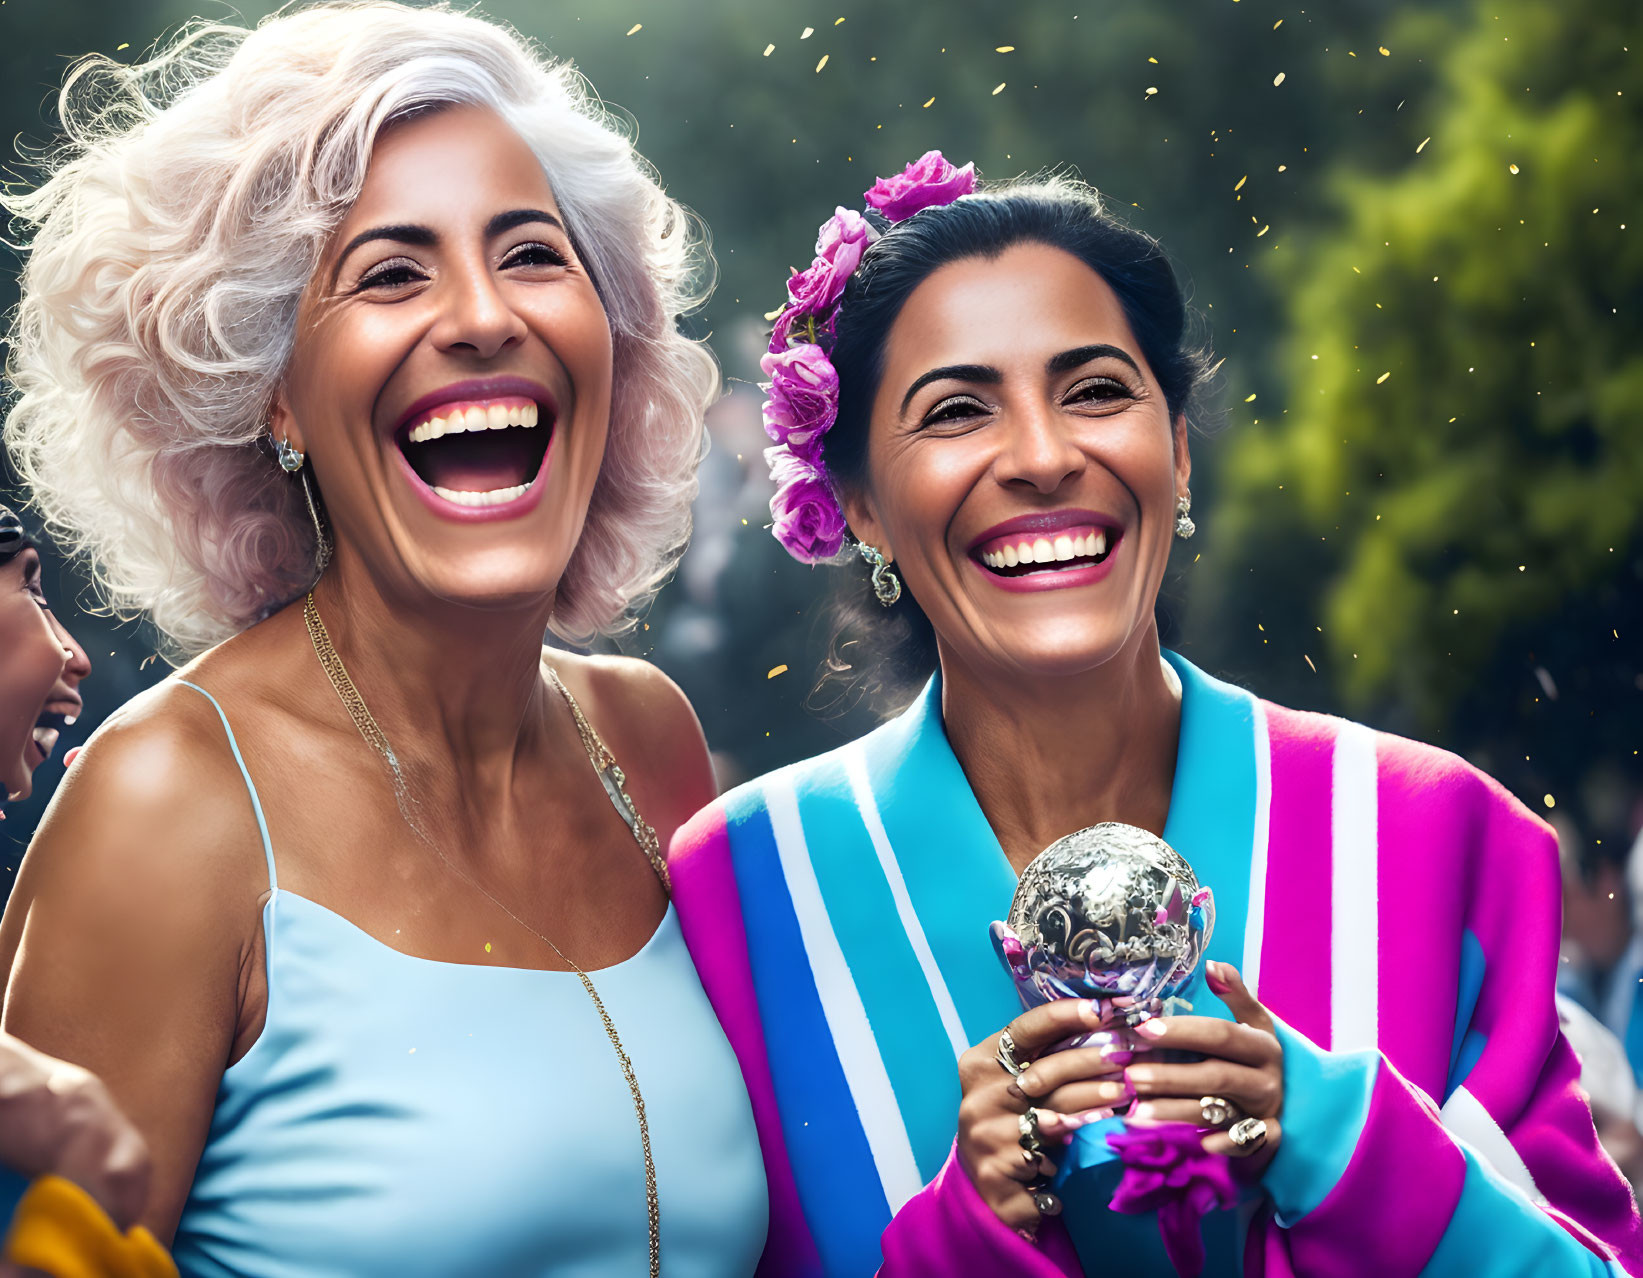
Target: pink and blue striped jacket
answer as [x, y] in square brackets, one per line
[1395, 908]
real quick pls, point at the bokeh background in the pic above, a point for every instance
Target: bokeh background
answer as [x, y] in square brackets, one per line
[1412, 229]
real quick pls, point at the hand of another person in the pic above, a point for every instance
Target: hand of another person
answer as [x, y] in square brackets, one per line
[1062, 1091]
[56, 1118]
[1243, 1065]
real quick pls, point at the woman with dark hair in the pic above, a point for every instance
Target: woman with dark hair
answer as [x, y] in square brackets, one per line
[59, 1129]
[990, 391]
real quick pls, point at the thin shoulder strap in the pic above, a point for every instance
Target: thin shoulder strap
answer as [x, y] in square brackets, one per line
[614, 782]
[256, 803]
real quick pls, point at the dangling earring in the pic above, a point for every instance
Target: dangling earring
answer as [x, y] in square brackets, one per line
[1184, 527]
[322, 539]
[886, 585]
[289, 458]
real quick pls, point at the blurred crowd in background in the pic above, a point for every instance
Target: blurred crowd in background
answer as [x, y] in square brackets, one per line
[1409, 231]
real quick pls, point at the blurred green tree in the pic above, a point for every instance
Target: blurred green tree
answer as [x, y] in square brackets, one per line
[1456, 472]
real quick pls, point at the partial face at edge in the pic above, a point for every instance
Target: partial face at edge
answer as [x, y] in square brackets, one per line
[40, 668]
[1017, 420]
[451, 378]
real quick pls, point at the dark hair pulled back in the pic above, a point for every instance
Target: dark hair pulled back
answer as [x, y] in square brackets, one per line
[883, 654]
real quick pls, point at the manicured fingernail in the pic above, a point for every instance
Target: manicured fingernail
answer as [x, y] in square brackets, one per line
[1152, 1029]
[1143, 1111]
[1093, 1116]
[1215, 977]
[1112, 1091]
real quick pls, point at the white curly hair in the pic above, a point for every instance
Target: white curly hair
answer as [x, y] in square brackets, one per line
[177, 226]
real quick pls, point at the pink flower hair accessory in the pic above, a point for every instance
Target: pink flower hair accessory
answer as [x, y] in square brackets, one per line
[803, 389]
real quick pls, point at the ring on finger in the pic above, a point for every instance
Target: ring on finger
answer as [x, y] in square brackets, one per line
[1248, 1135]
[1006, 1056]
[1047, 1203]
[1217, 1111]
[1030, 1141]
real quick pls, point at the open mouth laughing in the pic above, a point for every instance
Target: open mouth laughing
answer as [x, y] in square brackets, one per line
[43, 740]
[479, 450]
[1060, 548]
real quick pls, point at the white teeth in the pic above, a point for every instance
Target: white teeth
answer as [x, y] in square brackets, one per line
[1098, 544]
[496, 497]
[1063, 547]
[1011, 557]
[1043, 551]
[488, 417]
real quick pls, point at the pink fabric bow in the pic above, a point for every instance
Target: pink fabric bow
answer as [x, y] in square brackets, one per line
[1167, 1170]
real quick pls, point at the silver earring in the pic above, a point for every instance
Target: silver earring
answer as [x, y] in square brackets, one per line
[322, 539]
[289, 458]
[886, 585]
[1184, 527]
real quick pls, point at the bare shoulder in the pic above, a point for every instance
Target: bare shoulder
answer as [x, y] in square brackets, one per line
[649, 725]
[153, 816]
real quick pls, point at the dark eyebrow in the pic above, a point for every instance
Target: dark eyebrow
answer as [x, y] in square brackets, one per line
[1079, 355]
[984, 373]
[424, 237]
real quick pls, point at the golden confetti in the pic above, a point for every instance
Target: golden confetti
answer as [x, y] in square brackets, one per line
[1383, 377]
[776, 670]
[1422, 147]
[927, 106]
[637, 26]
[126, 45]
[487, 947]
[1005, 48]
[822, 63]
[1152, 90]
[1277, 24]
[1249, 399]
[1385, 52]
[999, 90]
[1262, 231]
[1282, 168]
[1549, 801]
[1309, 662]
[807, 33]
[839, 22]
[1511, 168]
[1241, 182]
[769, 49]
[1278, 79]
[1154, 61]
[774, 315]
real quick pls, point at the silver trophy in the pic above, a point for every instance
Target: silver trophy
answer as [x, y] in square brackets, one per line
[1110, 912]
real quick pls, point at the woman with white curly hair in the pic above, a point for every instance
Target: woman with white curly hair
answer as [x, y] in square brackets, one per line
[348, 355]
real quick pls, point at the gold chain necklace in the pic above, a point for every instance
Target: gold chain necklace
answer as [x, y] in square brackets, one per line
[614, 781]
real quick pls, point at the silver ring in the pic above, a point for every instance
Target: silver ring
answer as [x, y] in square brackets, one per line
[1006, 1056]
[1217, 1111]
[1028, 1122]
[1047, 1203]
[1248, 1134]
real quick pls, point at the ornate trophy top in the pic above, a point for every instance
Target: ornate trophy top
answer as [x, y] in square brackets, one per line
[1111, 910]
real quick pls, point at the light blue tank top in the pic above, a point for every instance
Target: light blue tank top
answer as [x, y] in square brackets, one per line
[404, 1116]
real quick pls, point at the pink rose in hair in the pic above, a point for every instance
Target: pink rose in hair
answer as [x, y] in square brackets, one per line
[804, 398]
[839, 246]
[808, 521]
[927, 181]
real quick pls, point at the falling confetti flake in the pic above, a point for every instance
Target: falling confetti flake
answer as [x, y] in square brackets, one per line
[1385, 52]
[1278, 79]
[1511, 168]
[999, 90]
[1422, 146]
[1152, 90]
[1249, 399]
[769, 49]
[929, 104]
[1005, 48]
[637, 26]
[1241, 182]
[776, 670]
[1382, 377]
[822, 63]
[807, 33]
